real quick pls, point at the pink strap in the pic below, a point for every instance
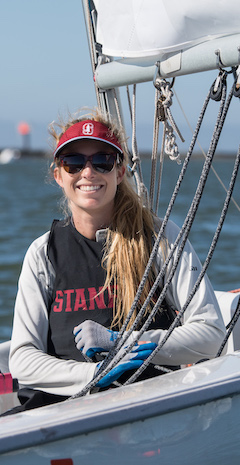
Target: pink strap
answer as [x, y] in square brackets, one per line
[6, 383]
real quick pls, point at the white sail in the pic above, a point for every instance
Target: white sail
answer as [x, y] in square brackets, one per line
[182, 36]
[137, 28]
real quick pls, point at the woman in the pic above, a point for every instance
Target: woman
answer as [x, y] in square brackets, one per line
[82, 276]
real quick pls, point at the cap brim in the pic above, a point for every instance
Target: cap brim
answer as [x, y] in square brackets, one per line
[59, 149]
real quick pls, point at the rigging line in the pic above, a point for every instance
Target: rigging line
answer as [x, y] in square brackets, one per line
[202, 181]
[230, 329]
[122, 338]
[160, 171]
[232, 319]
[117, 108]
[136, 168]
[192, 211]
[165, 115]
[136, 158]
[168, 212]
[173, 124]
[133, 119]
[154, 149]
[203, 152]
[200, 277]
[129, 102]
[213, 144]
[113, 358]
[208, 258]
[141, 189]
[110, 360]
[237, 311]
[159, 115]
[187, 158]
[92, 42]
[155, 248]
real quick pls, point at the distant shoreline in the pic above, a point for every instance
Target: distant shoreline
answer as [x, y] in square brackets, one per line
[37, 153]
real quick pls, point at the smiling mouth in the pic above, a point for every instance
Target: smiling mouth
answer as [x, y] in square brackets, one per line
[89, 188]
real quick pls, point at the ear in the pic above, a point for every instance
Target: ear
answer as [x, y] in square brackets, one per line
[120, 173]
[58, 176]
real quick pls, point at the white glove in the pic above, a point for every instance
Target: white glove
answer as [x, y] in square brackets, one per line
[92, 338]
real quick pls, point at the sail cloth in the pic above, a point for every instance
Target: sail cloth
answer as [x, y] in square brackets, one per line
[140, 28]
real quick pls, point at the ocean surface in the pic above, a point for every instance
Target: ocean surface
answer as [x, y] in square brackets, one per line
[29, 201]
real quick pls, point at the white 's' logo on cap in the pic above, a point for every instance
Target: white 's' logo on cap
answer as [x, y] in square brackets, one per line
[88, 129]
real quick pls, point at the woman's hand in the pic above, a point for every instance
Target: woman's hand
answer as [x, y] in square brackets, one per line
[92, 338]
[131, 361]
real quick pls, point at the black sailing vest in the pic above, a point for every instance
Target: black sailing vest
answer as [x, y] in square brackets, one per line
[77, 292]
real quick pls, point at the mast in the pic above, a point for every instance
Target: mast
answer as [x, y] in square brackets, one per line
[107, 99]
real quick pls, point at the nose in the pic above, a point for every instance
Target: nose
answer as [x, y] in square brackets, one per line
[87, 170]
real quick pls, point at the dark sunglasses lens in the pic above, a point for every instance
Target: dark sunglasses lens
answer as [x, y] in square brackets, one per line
[103, 162]
[73, 163]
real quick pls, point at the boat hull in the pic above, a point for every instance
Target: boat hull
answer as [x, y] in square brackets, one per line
[190, 416]
[203, 434]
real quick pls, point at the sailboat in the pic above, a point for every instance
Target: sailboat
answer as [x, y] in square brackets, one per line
[191, 415]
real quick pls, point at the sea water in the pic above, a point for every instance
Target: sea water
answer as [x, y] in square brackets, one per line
[29, 201]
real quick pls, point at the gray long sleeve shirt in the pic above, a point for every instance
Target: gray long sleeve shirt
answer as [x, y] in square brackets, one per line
[199, 336]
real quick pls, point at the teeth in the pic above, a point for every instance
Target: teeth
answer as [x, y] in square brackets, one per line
[89, 188]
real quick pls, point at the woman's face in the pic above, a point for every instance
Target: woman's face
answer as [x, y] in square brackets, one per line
[90, 191]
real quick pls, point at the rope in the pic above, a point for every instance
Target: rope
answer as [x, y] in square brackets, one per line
[161, 160]
[210, 253]
[237, 311]
[230, 328]
[112, 359]
[177, 320]
[204, 154]
[155, 148]
[136, 168]
[157, 242]
[163, 101]
[215, 139]
[165, 115]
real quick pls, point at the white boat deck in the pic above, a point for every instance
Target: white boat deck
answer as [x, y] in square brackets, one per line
[200, 384]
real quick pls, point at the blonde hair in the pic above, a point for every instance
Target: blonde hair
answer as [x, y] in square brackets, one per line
[130, 236]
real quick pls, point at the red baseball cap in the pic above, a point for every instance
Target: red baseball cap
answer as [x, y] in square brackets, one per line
[88, 129]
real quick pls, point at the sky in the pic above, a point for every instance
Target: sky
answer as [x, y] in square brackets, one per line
[46, 72]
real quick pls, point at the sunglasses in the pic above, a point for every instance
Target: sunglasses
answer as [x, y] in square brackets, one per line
[101, 162]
